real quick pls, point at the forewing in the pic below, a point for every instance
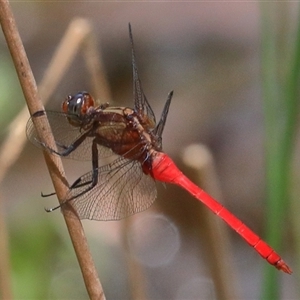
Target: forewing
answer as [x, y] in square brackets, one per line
[122, 190]
[65, 135]
[141, 103]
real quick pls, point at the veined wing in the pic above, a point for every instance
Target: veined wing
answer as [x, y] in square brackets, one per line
[141, 104]
[122, 190]
[65, 135]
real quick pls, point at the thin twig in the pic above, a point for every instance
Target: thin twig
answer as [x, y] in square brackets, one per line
[78, 31]
[199, 164]
[101, 89]
[54, 164]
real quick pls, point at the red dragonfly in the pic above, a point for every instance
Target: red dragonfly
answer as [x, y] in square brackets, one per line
[133, 142]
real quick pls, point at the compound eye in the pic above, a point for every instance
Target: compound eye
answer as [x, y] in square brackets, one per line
[65, 104]
[78, 104]
[87, 102]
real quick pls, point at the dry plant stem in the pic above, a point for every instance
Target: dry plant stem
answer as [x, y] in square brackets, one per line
[13, 145]
[29, 88]
[78, 31]
[94, 65]
[77, 37]
[199, 164]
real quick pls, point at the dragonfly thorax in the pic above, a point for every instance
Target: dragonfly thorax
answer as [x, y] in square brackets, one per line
[119, 129]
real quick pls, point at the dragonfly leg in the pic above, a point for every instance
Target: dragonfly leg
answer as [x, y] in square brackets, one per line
[90, 183]
[53, 208]
[67, 149]
[47, 195]
[78, 184]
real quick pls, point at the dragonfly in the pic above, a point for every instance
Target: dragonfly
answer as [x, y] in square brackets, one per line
[131, 140]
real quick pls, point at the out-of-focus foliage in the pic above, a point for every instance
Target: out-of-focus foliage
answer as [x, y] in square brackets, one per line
[11, 99]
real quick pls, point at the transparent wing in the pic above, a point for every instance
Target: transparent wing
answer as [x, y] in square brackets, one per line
[122, 190]
[65, 135]
[141, 103]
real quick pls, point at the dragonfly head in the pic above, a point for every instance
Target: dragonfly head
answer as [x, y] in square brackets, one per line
[78, 104]
[76, 107]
